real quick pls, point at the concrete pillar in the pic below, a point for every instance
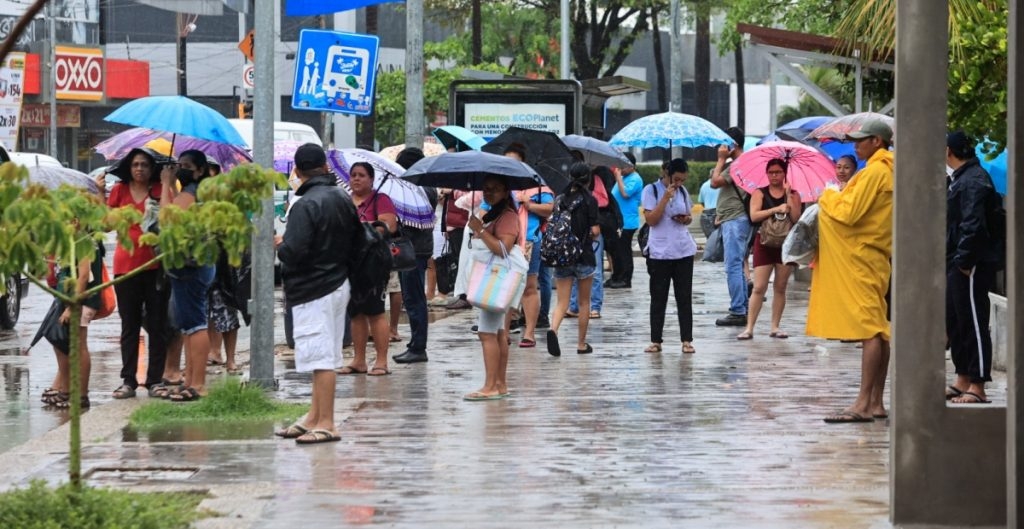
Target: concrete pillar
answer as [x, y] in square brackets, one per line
[414, 120]
[940, 474]
[1014, 272]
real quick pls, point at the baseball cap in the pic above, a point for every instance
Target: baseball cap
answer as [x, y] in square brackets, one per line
[310, 156]
[874, 127]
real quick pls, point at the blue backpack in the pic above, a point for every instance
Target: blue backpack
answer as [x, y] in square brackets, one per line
[561, 247]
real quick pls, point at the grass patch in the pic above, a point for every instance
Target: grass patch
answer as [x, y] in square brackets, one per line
[228, 401]
[41, 507]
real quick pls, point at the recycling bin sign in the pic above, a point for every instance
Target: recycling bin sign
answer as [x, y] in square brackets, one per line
[335, 72]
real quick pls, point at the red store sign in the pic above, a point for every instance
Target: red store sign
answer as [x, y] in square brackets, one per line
[79, 73]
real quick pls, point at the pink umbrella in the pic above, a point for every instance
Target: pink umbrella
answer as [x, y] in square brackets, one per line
[838, 128]
[809, 169]
[284, 155]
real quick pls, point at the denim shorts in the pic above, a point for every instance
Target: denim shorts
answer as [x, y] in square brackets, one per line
[535, 262]
[189, 287]
[577, 271]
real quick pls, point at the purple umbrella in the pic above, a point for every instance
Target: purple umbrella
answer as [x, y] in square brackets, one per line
[284, 155]
[118, 145]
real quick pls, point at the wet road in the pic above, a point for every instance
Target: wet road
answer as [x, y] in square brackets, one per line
[731, 436]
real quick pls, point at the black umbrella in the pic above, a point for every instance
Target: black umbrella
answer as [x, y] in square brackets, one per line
[123, 167]
[595, 151]
[52, 329]
[545, 152]
[467, 171]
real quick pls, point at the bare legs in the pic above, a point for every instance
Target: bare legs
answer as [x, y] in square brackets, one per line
[396, 313]
[362, 327]
[321, 410]
[197, 347]
[531, 307]
[873, 370]
[761, 276]
[172, 365]
[495, 349]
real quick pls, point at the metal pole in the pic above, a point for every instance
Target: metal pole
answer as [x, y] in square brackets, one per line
[414, 123]
[859, 88]
[676, 61]
[773, 99]
[53, 79]
[261, 371]
[182, 56]
[566, 54]
[1014, 273]
[241, 36]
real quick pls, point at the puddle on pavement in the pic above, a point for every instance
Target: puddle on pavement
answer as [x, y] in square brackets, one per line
[202, 431]
[125, 475]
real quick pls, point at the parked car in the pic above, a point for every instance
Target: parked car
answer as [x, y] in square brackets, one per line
[283, 131]
[16, 286]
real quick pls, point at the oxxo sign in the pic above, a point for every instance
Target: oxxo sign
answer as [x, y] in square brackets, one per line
[79, 73]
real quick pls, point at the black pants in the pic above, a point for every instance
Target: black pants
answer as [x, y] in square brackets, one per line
[622, 256]
[967, 319]
[680, 273]
[455, 245]
[142, 303]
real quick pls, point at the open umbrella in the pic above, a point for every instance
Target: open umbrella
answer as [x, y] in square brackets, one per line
[809, 169]
[595, 151]
[459, 138]
[177, 115]
[118, 145]
[51, 329]
[284, 155]
[996, 167]
[52, 177]
[545, 152]
[838, 128]
[467, 171]
[798, 129]
[429, 149]
[670, 129]
[122, 168]
[411, 202]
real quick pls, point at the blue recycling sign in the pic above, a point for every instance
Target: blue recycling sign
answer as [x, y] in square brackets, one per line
[335, 72]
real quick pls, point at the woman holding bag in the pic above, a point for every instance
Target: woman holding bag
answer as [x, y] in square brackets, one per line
[499, 233]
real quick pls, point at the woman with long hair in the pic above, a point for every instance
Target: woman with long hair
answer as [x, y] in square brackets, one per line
[499, 232]
[846, 166]
[774, 199]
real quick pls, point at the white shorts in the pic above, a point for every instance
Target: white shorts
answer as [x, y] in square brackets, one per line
[319, 329]
[88, 314]
[394, 284]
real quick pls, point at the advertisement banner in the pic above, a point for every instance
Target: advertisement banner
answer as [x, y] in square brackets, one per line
[12, 82]
[491, 119]
[79, 73]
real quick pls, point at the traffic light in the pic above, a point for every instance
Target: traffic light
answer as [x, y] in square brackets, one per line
[245, 110]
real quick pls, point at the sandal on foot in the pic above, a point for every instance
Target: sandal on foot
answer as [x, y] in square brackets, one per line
[186, 395]
[158, 391]
[527, 343]
[653, 348]
[952, 392]
[595, 315]
[317, 436]
[292, 432]
[969, 397]
[48, 392]
[378, 372]
[778, 334]
[179, 382]
[477, 396]
[214, 362]
[688, 348]
[744, 336]
[349, 370]
[66, 404]
[586, 350]
[53, 398]
[124, 392]
[571, 314]
[394, 339]
[553, 348]
[846, 417]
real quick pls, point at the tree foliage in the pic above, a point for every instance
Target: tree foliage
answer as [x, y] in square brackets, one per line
[977, 85]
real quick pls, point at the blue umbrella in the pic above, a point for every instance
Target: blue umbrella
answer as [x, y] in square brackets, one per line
[670, 129]
[459, 138]
[295, 8]
[467, 171]
[177, 115]
[595, 151]
[798, 129]
[996, 167]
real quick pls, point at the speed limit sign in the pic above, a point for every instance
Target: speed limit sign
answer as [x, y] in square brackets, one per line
[249, 76]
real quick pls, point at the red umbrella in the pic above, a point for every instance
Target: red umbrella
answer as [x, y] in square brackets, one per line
[809, 169]
[838, 128]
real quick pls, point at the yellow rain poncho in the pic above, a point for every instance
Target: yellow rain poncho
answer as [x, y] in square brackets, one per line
[851, 274]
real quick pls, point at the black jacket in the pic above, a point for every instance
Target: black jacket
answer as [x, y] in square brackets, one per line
[318, 241]
[973, 233]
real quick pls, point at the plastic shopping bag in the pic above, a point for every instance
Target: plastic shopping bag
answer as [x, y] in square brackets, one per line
[801, 245]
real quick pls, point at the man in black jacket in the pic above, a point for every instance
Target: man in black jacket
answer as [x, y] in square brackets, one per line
[974, 244]
[314, 251]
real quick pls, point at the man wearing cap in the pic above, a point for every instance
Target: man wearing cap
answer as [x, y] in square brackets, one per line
[321, 228]
[974, 249]
[851, 275]
[735, 225]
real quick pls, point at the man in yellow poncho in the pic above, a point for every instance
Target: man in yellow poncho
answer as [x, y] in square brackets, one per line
[851, 275]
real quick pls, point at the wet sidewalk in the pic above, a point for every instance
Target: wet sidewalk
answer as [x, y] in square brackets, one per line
[729, 437]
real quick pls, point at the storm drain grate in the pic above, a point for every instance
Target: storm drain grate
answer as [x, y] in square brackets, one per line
[140, 474]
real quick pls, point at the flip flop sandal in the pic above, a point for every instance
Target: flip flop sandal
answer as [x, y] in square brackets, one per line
[158, 391]
[972, 398]
[66, 404]
[688, 349]
[779, 334]
[571, 314]
[214, 362]
[349, 370]
[179, 382]
[847, 417]
[56, 398]
[586, 350]
[292, 432]
[49, 392]
[378, 372]
[653, 348]
[745, 336]
[527, 343]
[317, 436]
[476, 396]
[395, 339]
[595, 315]
[952, 392]
[553, 348]
[124, 392]
[186, 395]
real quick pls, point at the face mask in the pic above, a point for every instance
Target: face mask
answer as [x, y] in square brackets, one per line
[949, 171]
[184, 176]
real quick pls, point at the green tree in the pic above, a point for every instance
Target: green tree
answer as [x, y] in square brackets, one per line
[38, 225]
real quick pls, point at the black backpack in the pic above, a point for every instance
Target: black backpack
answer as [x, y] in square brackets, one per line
[370, 266]
[561, 247]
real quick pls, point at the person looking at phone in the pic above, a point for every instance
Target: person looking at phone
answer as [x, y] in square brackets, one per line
[667, 210]
[735, 226]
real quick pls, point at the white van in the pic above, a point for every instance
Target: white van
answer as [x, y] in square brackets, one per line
[29, 159]
[283, 131]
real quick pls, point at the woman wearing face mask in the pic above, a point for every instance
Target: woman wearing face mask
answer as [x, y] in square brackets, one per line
[667, 207]
[189, 284]
[141, 299]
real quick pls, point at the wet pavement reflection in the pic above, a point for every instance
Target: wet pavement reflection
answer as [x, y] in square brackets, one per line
[731, 436]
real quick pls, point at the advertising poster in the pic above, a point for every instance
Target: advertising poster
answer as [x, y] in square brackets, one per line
[12, 74]
[491, 119]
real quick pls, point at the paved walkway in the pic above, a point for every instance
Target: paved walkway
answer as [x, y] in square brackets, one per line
[729, 437]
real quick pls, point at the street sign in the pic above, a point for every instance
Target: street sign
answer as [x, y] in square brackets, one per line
[249, 77]
[248, 45]
[335, 72]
